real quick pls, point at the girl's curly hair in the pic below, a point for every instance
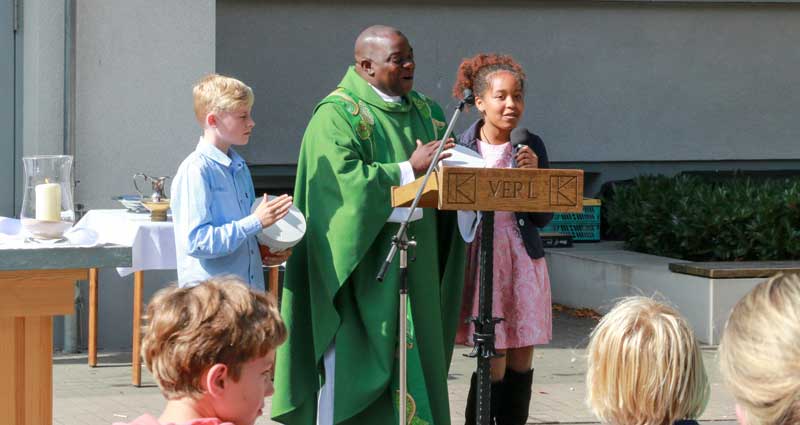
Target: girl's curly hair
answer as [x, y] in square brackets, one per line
[473, 72]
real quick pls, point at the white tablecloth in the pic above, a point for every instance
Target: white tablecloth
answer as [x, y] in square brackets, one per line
[152, 243]
[14, 236]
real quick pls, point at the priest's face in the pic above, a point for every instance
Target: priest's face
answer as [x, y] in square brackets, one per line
[393, 66]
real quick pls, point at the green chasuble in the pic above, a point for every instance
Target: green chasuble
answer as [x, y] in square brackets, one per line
[348, 163]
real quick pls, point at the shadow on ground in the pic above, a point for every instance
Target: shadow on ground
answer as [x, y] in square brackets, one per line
[103, 360]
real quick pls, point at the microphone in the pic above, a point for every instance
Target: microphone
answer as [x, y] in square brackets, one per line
[467, 98]
[518, 136]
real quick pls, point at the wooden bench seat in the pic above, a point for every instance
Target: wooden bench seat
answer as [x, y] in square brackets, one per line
[735, 269]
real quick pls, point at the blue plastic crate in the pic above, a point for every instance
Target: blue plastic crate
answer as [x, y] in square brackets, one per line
[590, 214]
[579, 232]
[582, 226]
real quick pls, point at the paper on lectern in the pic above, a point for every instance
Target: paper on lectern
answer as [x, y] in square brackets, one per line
[462, 156]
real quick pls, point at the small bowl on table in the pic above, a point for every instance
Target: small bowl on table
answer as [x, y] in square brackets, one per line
[132, 203]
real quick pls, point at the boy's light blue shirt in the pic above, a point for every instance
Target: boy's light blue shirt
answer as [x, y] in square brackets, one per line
[214, 231]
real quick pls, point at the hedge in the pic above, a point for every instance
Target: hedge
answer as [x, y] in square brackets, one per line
[689, 218]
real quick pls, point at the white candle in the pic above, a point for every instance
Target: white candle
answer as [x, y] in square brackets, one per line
[48, 202]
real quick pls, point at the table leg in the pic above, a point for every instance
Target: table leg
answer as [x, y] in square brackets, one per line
[28, 301]
[273, 281]
[27, 362]
[93, 273]
[138, 282]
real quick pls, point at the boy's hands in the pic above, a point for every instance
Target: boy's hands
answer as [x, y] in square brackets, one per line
[272, 259]
[269, 212]
[423, 155]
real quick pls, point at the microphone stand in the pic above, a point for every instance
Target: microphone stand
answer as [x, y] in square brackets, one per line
[483, 337]
[401, 242]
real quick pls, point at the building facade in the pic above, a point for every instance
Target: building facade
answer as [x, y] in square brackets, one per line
[617, 88]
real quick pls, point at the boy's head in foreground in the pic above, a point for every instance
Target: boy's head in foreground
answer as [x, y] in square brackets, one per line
[222, 107]
[644, 366]
[211, 349]
[760, 353]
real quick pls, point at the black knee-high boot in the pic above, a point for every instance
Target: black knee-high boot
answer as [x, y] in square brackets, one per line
[470, 417]
[498, 394]
[516, 399]
[469, 413]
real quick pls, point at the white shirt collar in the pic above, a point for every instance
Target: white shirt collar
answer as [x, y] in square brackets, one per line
[386, 97]
[217, 155]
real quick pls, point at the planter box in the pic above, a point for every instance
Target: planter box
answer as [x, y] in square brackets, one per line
[596, 275]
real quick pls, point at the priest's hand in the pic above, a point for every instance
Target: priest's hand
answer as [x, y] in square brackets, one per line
[423, 155]
[526, 158]
[271, 259]
[269, 212]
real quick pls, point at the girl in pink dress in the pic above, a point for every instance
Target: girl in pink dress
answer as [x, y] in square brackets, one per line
[521, 285]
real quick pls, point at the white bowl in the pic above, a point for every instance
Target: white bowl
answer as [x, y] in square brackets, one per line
[285, 233]
[43, 229]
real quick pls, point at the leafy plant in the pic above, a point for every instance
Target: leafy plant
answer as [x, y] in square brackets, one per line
[689, 218]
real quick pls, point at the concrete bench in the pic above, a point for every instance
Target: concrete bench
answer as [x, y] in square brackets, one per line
[597, 275]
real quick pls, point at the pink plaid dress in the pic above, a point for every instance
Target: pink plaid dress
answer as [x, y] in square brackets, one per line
[521, 290]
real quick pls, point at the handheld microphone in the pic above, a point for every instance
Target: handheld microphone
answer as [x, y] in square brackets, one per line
[518, 136]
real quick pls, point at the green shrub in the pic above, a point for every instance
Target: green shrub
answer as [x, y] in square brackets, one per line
[689, 218]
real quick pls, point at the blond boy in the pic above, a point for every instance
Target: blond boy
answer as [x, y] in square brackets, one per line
[212, 193]
[645, 367]
[211, 349]
[760, 353]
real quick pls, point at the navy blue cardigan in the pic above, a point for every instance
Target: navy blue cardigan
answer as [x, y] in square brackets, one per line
[528, 223]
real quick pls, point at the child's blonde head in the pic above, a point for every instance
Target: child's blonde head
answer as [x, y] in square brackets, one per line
[189, 330]
[216, 93]
[760, 352]
[644, 366]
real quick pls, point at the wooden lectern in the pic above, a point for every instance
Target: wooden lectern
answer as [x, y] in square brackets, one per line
[489, 190]
[497, 189]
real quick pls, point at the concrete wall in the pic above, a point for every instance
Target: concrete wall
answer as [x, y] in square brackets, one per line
[598, 275]
[7, 112]
[43, 79]
[135, 67]
[665, 83]
[136, 64]
[596, 173]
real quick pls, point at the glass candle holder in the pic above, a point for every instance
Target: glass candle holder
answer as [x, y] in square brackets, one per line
[47, 208]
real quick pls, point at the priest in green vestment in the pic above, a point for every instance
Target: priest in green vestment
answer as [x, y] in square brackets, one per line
[364, 138]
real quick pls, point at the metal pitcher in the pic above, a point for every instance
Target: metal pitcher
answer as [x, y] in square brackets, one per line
[157, 183]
